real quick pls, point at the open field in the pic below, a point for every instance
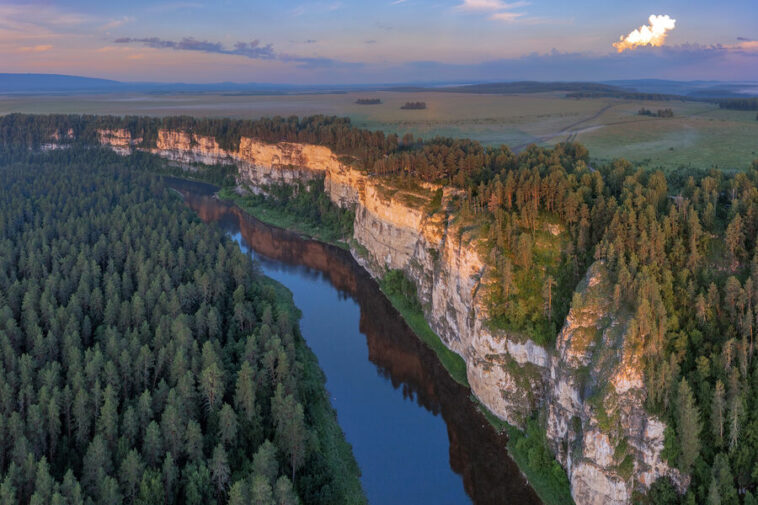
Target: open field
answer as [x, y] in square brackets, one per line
[700, 135]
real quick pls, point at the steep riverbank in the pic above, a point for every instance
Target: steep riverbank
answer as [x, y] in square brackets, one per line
[606, 441]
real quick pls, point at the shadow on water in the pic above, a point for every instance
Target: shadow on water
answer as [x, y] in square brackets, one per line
[399, 446]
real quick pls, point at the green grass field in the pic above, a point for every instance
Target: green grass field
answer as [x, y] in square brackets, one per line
[700, 135]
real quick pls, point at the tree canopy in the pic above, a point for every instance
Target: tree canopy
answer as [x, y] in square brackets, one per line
[144, 358]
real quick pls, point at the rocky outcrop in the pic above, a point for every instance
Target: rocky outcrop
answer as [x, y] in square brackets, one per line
[121, 140]
[596, 421]
[260, 164]
[588, 387]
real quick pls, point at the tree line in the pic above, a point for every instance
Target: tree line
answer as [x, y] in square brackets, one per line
[746, 103]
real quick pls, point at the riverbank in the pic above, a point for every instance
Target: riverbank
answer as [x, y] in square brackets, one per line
[282, 218]
[408, 306]
[532, 455]
[330, 439]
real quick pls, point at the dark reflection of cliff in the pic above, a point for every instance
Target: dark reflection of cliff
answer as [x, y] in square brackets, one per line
[477, 452]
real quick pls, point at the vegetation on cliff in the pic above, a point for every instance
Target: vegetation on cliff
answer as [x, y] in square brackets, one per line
[303, 208]
[682, 256]
[144, 359]
[402, 293]
[531, 452]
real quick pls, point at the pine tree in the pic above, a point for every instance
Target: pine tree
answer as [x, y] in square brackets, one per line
[219, 468]
[212, 386]
[227, 424]
[238, 493]
[261, 492]
[547, 295]
[265, 463]
[717, 413]
[284, 493]
[688, 426]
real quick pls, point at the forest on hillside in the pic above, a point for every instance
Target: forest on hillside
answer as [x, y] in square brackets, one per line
[680, 248]
[144, 359]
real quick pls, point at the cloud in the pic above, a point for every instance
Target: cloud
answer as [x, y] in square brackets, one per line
[35, 49]
[747, 45]
[506, 16]
[498, 10]
[316, 62]
[489, 5]
[315, 8]
[744, 39]
[116, 23]
[653, 34]
[38, 17]
[174, 6]
[252, 50]
[688, 61]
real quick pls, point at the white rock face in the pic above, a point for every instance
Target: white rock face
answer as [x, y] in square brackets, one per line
[590, 485]
[120, 141]
[513, 376]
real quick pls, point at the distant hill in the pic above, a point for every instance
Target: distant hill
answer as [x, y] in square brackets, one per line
[40, 83]
[64, 84]
[501, 88]
[640, 89]
[690, 89]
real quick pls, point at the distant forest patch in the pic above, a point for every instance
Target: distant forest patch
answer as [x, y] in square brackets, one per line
[628, 95]
[659, 113]
[368, 101]
[517, 87]
[414, 106]
[739, 103]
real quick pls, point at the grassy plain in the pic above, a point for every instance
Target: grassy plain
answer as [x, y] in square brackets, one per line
[700, 135]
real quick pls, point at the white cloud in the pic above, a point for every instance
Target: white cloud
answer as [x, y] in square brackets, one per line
[489, 5]
[116, 23]
[35, 49]
[506, 16]
[497, 10]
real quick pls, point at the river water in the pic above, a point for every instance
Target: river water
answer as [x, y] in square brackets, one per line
[417, 436]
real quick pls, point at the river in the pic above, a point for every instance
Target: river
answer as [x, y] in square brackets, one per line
[417, 436]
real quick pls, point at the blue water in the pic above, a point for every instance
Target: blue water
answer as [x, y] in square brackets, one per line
[378, 420]
[416, 435]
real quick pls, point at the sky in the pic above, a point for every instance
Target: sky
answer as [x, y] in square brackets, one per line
[376, 41]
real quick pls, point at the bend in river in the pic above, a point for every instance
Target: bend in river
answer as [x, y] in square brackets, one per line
[417, 436]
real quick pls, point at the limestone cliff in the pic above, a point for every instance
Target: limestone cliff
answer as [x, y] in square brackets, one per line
[588, 387]
[120, 140]
[259, 164]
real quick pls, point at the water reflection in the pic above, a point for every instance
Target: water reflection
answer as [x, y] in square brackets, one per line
[400, 447]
